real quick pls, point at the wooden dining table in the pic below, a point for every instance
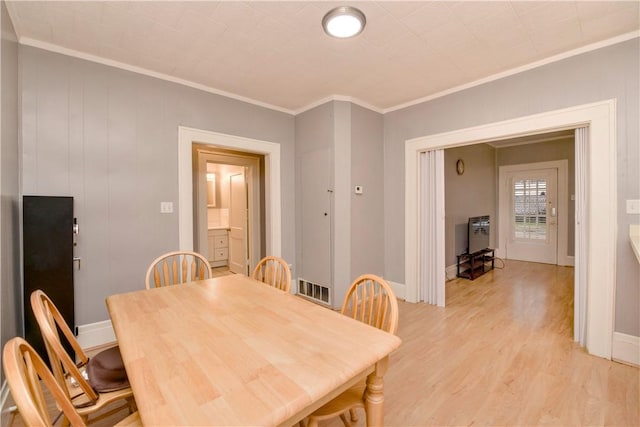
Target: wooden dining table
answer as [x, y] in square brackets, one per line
[233, 351]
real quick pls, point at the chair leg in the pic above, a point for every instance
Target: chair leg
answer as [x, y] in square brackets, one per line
[354, 414]
[312, 422]
[345, 420]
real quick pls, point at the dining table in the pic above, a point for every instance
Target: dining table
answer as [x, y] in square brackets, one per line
[233, 351]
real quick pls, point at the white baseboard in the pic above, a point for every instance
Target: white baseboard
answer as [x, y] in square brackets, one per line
[450, 272]
[96, 334]
[399, 289]
[626, 348]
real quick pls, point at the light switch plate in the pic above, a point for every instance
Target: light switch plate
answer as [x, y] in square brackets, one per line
[166, 207]
[633, 206]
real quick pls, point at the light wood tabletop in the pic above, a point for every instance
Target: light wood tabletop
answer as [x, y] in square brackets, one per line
[233, 351]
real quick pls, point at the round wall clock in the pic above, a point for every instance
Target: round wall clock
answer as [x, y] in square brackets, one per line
[460, 167]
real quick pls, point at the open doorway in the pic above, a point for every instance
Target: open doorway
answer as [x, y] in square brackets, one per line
[525, 185]
[597, 163]
[271, 200]
[228, 207]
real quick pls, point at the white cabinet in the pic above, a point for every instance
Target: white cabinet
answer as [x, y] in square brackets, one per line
[218, 247]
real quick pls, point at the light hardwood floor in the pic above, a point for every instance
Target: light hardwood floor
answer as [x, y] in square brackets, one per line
[501, 353]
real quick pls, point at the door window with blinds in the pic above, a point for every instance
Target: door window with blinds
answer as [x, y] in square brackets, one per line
[530, 209]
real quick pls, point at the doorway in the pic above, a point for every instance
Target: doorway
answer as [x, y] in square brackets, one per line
[533, 212]
[229, 212]
[187, 137]
[598, 160]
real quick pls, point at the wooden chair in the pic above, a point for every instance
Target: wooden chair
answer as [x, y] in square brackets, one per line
[273, 271]
[177, 267]
[87, 401]
[370, 300]
[27, 374]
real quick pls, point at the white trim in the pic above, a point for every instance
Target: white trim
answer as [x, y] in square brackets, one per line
[498, 145]
[96, 334]
[271, 151]
[626, 348]
[451, 272]
[571, 261]
[399, 289]
[600, 117]
[146, 72]
[339, 98]
[562, 192]
[523, 68]
[27, 41]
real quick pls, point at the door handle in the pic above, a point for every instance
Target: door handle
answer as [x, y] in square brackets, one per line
[78, 260]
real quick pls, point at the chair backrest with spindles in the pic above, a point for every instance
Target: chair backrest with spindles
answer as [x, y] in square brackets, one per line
[371, 300]
[177, 267]
[273, 271]
[26, 375]
[50, 322]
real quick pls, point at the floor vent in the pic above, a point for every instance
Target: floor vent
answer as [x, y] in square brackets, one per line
[314, 291]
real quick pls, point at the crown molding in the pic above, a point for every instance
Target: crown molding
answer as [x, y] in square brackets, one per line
[139, 70]
[345, 98]
[112, 63]
[517, 70]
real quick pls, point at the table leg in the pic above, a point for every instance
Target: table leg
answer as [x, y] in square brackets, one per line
[374, 399]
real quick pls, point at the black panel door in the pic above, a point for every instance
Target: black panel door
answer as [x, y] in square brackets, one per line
[48, 259]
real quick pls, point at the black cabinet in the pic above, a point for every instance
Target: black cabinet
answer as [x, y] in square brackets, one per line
[476, 264]
[47, 234]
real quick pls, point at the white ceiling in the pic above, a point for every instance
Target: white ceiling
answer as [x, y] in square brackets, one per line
[276, 54]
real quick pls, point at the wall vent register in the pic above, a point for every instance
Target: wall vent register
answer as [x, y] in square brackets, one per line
[314, 291]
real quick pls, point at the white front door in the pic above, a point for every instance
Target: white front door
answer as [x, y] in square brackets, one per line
[238, 255]
[533, 216]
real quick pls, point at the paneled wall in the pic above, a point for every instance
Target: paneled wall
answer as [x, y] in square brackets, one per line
[10, 289]
[109, 138]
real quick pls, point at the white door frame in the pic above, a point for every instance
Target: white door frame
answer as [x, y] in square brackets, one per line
[504, 199]
[271, 151]
[600, 117]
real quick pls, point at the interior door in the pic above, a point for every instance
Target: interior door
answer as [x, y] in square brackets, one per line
[316, 264]
[533, 216]
[238, 252]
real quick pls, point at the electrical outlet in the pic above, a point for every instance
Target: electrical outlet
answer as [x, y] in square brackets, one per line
[359, 189]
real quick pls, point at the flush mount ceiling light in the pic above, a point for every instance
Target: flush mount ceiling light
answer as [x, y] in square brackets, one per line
[344, 22]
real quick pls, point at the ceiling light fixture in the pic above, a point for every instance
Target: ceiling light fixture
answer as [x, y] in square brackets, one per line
[344, 22]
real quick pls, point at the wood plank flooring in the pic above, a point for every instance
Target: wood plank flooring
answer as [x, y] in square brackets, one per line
[501, 353]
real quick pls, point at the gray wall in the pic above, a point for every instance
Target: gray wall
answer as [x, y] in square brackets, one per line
[545, 152]
[10, 290]
[367, 209]
[470, 194]
[607, 73]
[345, 141]
[314, 176]
[109, 138]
